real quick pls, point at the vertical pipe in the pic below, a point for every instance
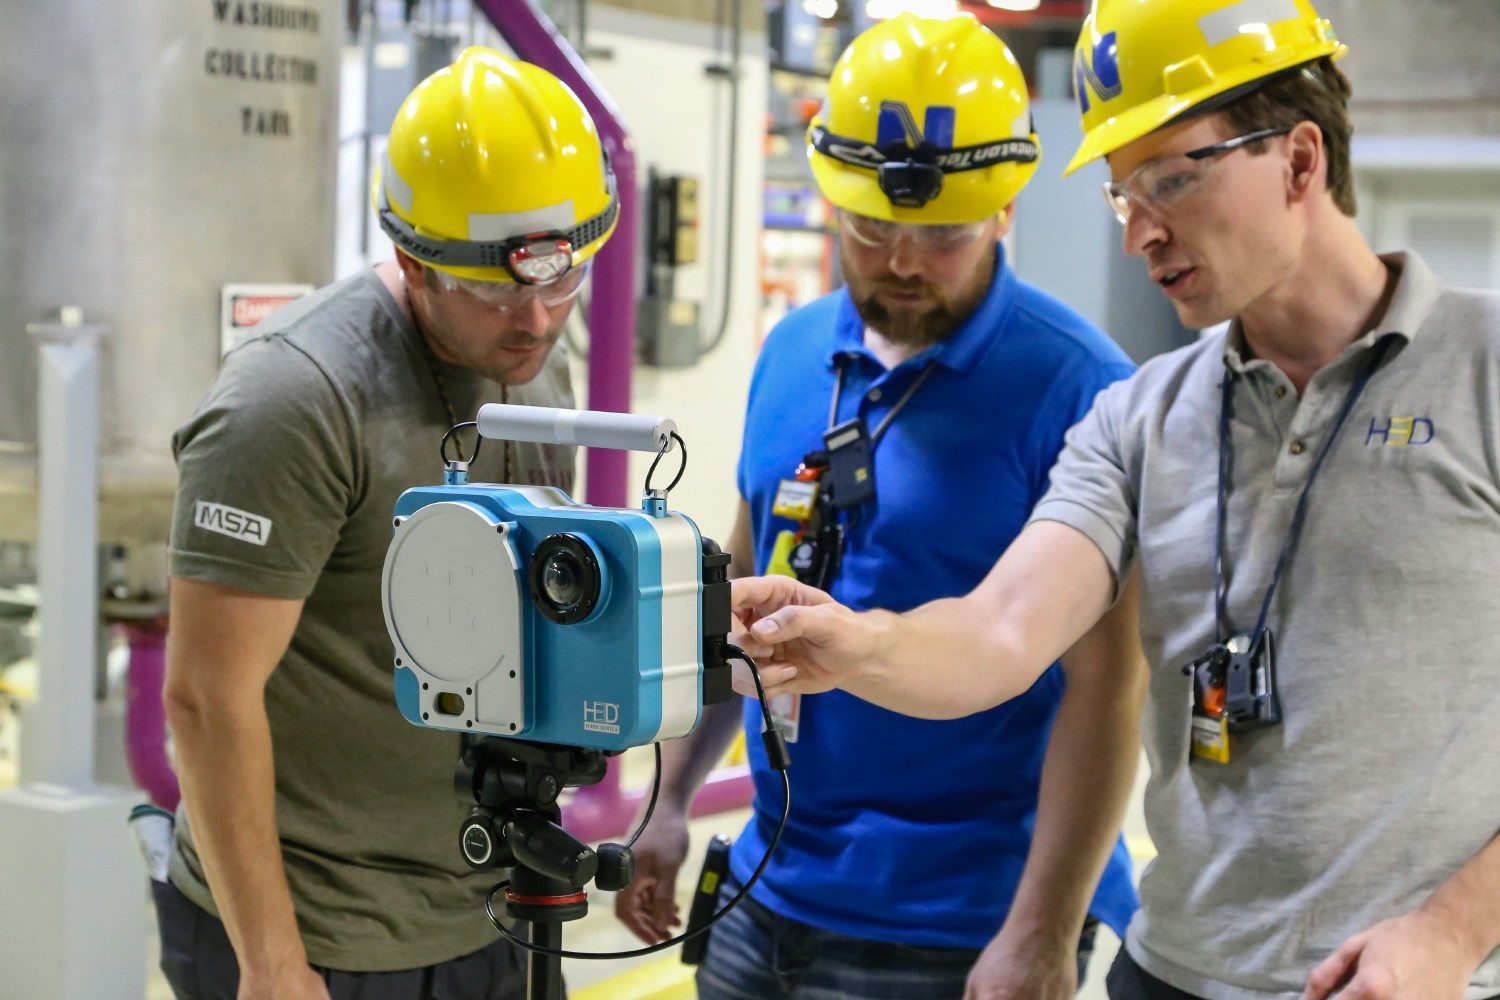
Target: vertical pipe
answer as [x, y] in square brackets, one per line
[59, 734]
[612, 307]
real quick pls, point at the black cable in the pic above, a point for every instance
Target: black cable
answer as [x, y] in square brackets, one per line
[680, 469]
[458, 445]
[776, 753]
[650, 806]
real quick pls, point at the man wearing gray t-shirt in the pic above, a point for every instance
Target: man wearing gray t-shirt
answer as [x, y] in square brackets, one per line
[1312, 501]
[315, 853]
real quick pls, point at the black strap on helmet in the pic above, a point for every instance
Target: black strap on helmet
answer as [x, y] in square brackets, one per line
[911, 176]
[490, 253]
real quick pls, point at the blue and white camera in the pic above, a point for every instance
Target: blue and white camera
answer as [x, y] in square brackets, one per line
[518, 612]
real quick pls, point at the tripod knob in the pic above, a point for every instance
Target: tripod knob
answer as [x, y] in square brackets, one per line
[616, 867]
[480, 842]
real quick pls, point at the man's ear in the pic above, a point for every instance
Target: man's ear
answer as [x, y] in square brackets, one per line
[1005, 220]
[1308, 161]
[411, 268]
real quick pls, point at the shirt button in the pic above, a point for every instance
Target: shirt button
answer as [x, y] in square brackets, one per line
[873, 395]
[1281, 392]
[1297, 447]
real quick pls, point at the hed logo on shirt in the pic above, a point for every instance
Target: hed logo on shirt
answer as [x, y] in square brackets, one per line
[235, 523]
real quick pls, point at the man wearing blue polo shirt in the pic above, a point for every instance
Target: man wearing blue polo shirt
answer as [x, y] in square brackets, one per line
[899, 432]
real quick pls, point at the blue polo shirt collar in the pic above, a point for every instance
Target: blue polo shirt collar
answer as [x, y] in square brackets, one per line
[964, 347]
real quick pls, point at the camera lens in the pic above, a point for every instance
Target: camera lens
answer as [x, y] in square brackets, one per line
[565, 578]
[562, 579]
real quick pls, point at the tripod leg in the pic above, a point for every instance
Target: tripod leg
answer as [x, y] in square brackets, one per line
[544, 979]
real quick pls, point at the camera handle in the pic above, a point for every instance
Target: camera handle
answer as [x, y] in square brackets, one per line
[590, 428]
[515, 786]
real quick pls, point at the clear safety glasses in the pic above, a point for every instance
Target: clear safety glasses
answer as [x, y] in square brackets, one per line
[1163, 183]
[935, 239]
[511, 295]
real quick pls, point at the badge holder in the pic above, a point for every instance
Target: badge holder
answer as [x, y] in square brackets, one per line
[1234, 691]
[813, 552]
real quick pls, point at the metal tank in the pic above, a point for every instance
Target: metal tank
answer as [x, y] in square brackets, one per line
[150, 154]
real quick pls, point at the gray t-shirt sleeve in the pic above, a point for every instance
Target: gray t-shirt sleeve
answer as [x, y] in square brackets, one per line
[267, 474]
[1091, 487]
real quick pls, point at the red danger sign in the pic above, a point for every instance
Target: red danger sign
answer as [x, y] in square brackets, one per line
[248, 310]
[243, 306]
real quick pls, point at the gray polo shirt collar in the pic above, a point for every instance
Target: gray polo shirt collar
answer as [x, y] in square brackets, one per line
[1417, 290]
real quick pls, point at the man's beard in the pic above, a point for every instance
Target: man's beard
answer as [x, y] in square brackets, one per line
[921, 326]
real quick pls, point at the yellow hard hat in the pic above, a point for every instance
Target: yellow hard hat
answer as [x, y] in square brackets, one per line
[1139, 64]
[926, 121]
[494, 171]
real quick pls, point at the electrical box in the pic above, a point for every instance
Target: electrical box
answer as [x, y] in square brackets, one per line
[668, 331]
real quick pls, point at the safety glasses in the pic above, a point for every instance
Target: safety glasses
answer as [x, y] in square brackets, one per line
[935, 239]
[1165, 182]
[506, 296]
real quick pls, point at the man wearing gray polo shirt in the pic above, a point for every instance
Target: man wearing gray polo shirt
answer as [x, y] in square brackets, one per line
[1312, 500]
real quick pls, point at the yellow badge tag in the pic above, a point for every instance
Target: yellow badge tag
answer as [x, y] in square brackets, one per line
[1211, 738]
[794, 499]
[781, 555]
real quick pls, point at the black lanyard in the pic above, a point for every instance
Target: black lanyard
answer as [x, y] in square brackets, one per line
[838, 391]
[1220, 590]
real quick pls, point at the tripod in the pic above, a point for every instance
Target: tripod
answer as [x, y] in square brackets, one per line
[515, 785]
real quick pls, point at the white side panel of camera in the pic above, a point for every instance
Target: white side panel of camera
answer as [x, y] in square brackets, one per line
[452, 596]
[681, 631]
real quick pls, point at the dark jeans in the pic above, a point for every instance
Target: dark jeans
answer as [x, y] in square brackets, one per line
[754, 954]
[199, 964]
[1128, 981]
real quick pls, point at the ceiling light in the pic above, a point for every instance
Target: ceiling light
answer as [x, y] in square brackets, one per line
[1016, 5]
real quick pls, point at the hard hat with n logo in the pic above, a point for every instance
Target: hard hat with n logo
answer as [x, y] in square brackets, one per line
[1140, 64]
[926, 121]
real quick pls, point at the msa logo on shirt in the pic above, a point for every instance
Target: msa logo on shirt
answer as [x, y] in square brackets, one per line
[234, 523]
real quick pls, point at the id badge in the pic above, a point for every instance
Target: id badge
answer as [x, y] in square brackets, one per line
[781, 555]
[786, 712]
[1209, 733]
[794, 499]
[1210, 738]
[850, 464]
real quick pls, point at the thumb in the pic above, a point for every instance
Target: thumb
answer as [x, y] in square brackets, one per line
[793, 622]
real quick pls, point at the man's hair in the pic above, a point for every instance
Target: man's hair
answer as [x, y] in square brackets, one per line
[1318, 93]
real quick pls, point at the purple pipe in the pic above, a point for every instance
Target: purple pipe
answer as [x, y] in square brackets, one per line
[612, 308]
[145, 717]
[605, 810]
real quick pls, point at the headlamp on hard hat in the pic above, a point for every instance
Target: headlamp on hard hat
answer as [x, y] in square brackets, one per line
[911, 176]
[532, 259]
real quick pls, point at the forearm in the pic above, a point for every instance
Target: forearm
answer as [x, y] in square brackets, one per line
[1468, 904]
[942, 660]
[226, 769]
[686, 763]
[957, 656]
[1086, 783]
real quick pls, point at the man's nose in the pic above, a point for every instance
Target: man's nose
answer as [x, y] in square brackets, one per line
[530, 315]
[1144, 228]
[906, 257]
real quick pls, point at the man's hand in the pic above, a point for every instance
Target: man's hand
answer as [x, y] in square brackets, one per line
[293, 982]
[1013, 969]
[1413, 957]
[648, 905]
[802, 640]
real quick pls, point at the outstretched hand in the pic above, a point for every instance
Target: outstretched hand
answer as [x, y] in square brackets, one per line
[803, 641]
